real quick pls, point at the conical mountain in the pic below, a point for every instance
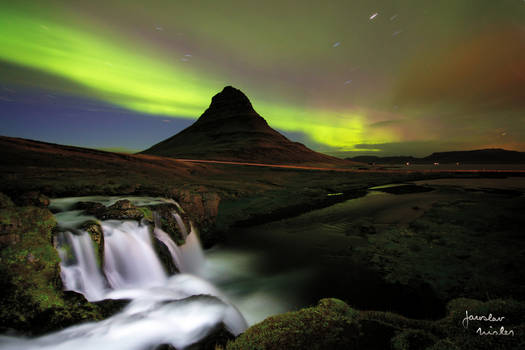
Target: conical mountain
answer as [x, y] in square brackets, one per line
[231, 130]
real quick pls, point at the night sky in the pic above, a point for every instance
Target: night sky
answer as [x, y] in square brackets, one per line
[344, 77]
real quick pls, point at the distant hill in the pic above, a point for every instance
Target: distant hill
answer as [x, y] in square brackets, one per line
[482, 156]
[231, 130]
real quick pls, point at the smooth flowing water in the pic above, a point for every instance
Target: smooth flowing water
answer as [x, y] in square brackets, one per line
[179, 310]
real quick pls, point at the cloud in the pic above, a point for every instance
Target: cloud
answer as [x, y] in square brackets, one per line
[486, 71]
[384, 123]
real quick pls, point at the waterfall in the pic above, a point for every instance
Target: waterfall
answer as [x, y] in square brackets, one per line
[129, 258]
[181, 225]
[188, 257]
[81, 275]
[178, 310]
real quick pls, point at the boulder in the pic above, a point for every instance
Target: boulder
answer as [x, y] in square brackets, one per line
[5, 201]
[121, 210]
[329, 325]
[33, 198]
[31, 296]
[95, 231]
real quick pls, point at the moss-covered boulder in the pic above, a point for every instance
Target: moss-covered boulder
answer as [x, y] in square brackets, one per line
[413, 339]
[31, 296]
[91, 208]
[465, 334]
[97, 236]
[329, 325]
[163, 216]
[122, 210]
[334, 325]
[33, 198]
[5, 201]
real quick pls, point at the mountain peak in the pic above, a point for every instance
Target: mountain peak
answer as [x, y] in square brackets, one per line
[232, 101]
[231, 130]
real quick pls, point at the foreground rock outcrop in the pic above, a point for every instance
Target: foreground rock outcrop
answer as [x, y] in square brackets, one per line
[31, 296]
[332, 324]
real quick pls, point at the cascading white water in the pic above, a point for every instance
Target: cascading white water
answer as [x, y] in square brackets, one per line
[181, 225]
[188, 257]
[181, 313]
[82, 275]
[192, 253]
[129, 258]
[179, 310]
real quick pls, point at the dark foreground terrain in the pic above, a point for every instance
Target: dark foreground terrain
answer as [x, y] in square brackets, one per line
[430, 254]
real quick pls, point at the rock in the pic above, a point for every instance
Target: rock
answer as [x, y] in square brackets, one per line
[165, 257]
[5, 201]
[9, 239]
[168, 223]
[31, 296]
[216, 340]
[334, 325]
[121, 210]
[367, 229]
[95, 231]
[203, 208]
[13, 222]
[33, 198]
[122, 204]
[91, 208]
[330, 325]
[413, 339]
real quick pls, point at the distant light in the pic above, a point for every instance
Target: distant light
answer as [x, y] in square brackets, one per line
[407, 163]
[436, 163]
[336, 44]
[373, 16]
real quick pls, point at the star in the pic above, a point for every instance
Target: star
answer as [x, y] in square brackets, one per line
[336, 44]
[373, 16]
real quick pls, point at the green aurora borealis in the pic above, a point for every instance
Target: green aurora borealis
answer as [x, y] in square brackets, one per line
[421, 76]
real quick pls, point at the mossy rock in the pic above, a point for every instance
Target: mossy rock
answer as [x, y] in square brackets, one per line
[413, 339]
[163, 215]
[465, 336]
[97, 236]
[165, 256]
[31, 296]
[5, 201]
[329, 325]
[121, 210]
[91, 208]
[33, 198]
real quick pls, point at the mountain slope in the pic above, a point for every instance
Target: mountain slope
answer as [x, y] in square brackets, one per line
[230, 129]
